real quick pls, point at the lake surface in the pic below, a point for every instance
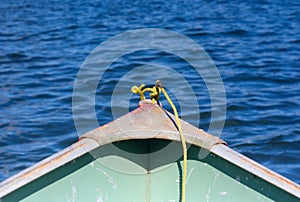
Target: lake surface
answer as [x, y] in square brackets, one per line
[254, 44]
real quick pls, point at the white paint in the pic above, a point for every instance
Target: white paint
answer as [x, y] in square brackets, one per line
[110, 179]
[207, 195]
[188, 177]
[223, 193]
[74, 191]
[106, 196]
[99, 198]
[100, 195]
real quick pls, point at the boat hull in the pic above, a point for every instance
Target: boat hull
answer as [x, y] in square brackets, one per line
[122, 162]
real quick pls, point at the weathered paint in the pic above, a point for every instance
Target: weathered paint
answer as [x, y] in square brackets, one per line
[96, 181]
[45, 167]
[255, 168]
[136, 168]
[150, 121]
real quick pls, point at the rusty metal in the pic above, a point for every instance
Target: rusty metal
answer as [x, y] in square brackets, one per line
[150, 121]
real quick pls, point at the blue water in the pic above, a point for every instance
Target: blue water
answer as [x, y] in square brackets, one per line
[254, 44]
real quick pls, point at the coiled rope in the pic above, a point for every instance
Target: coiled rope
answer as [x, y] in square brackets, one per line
[154, 96]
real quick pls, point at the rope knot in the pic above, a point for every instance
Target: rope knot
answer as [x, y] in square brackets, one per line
[154, 95]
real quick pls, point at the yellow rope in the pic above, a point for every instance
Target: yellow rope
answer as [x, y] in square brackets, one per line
[182, 142]
[154, 97]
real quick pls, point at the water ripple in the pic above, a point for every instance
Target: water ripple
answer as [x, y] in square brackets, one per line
[254, 44]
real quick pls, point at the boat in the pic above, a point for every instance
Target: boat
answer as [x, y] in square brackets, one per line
[138, 157]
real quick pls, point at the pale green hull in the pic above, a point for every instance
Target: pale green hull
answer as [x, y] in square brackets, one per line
[114, 178]
[147, 169]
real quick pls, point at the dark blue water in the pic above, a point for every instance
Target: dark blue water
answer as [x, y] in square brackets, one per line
[254, 44]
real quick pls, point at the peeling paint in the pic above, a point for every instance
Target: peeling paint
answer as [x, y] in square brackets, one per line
[110, 179]
[207, 195]
[257, 169]
[74, 192]
[73, 152]
[101, 196]
[189, 175]
[223, 193]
